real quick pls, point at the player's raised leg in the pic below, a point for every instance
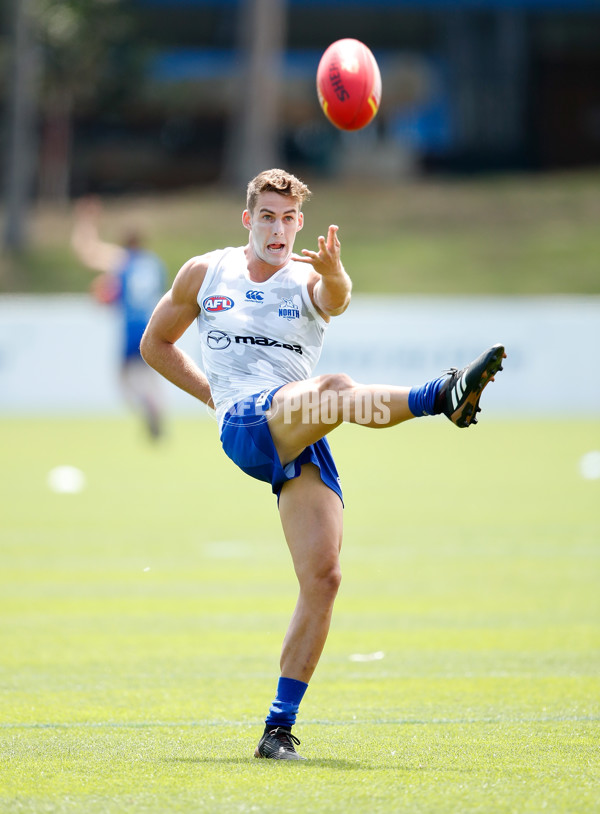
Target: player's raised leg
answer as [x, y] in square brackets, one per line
[305, 411]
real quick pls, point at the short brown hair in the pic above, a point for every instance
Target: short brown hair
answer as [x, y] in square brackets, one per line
[276, 181]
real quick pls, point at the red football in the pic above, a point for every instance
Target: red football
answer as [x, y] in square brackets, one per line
[349, 84]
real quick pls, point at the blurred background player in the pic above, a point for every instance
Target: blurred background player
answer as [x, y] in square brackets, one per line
[133, 279]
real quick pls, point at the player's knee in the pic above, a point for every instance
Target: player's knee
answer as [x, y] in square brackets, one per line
[334, 580]
[336, 382]
[328, 579]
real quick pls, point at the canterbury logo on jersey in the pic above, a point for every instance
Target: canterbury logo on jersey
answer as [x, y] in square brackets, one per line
[255, 296]
[269, 343]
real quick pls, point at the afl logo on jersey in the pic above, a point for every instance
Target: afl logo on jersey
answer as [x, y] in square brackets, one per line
[217, 303]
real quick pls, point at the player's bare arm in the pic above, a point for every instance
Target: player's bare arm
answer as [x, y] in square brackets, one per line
[331, 291]
[171, 318]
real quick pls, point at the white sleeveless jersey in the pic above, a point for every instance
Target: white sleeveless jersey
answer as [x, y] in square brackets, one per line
[255, 336]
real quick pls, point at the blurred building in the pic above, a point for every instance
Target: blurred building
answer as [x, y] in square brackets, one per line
[468, 85]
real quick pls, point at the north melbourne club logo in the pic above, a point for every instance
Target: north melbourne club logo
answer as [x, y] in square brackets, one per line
[288, 310]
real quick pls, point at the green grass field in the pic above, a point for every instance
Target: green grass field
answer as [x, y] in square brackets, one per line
[141, 622]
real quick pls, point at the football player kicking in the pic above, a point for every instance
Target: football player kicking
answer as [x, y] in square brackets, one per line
[262, 312]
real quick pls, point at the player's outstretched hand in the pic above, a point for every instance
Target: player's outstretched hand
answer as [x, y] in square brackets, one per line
[326, 261]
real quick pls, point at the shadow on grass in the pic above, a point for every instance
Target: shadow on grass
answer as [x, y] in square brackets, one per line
[321, 763]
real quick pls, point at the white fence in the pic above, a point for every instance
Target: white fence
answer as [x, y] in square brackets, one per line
[59, 354]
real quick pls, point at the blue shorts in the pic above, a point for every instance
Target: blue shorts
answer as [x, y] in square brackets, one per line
[246, 439]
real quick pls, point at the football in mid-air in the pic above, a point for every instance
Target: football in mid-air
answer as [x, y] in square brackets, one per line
[349, 84]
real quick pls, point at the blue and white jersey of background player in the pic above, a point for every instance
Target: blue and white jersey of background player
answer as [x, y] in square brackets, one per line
[142, 282]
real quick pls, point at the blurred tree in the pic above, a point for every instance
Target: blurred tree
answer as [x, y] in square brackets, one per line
[78, 38]
[59, 54]
[254, 123]
[19, 161]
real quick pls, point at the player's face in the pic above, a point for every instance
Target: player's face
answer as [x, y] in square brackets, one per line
[273, 225]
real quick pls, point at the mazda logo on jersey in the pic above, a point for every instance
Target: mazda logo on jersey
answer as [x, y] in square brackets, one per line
[264, 341]
[217, 340]
[216, 303]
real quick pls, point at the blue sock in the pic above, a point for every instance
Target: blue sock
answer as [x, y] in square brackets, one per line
[284, 708]
[421, 400]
